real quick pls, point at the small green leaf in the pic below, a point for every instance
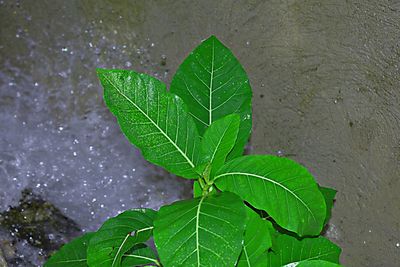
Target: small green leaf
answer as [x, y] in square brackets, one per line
[317, 263]
[329, 196]
[257, 239]
[280, 186]
[197, 192]
[213, 84]
[206, 231]
[139, 255]
[118, 235]
[72, 254]
[289, 249]
[218, 141]
[153, 120]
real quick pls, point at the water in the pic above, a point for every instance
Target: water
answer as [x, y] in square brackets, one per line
[57, 137]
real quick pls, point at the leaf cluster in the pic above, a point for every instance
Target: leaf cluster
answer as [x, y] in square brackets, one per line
[255, 210]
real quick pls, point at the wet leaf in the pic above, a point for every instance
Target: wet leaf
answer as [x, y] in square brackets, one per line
[280, 186]
[155, 121]
[218, 141]
[139, 255]
[213, 84]
[316, 263]
[329, 196]
[289, 249]
[197, 192]
[257, 239]
[118, 235]
[206, 231]
[72, 254]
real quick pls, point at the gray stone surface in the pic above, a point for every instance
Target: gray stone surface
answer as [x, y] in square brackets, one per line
[326, 81]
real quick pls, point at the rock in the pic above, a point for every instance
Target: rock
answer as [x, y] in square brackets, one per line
[38, 222]
[3, 262]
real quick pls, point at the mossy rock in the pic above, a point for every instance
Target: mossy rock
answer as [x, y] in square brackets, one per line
[39, 222]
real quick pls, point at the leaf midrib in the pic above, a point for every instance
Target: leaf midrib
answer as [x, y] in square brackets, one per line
[119, 249]
[67, 261]
[247, 256]
[197, 231]
[141, 257]
[211, 84]
[272, 181]
[151, 120]
[219, 142]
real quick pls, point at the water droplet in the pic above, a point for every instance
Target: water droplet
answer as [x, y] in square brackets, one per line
[63, 74]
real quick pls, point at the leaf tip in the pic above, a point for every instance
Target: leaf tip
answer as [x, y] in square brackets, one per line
[100, 71]
[213, 38]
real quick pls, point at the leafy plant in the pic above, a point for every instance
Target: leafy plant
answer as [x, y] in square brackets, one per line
[257, 210]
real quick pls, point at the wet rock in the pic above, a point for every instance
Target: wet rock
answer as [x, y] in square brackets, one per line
[3, 262]
[19, 253]
[38, 222]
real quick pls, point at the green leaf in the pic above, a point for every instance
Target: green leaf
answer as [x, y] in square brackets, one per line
[139, 255]
[119, 234]
[257, 239]
[72, 254]
[218, 141]
[329, 196]
[206, 231]
[155, 121]
[289, 249]
[213, 84]
[280, 186]
[317, 263]
[197, 192]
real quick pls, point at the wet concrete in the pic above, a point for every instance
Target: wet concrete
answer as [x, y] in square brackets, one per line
[326, 82]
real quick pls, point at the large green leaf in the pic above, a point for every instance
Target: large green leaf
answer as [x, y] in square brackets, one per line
[118, 235]
[218, 141]
[139, 255]
[257, 239]
[206, 231]
[289, 249]
[329, 196]
[281, 187]
[213, 84]
[72, 254]
[317, 263]
[155, 121]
